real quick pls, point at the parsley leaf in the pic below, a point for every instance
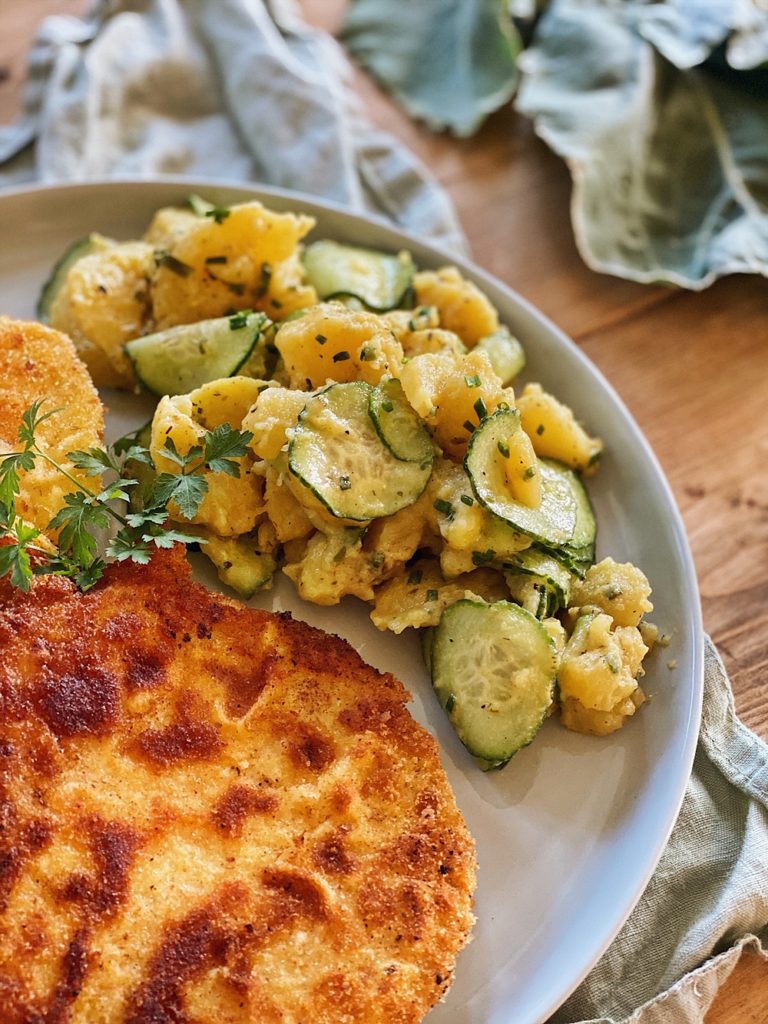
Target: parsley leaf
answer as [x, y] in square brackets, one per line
[222, 446]
[186, 490]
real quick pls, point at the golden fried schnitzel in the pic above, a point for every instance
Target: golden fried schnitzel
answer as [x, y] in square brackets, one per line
[36, 363]
[213, 814]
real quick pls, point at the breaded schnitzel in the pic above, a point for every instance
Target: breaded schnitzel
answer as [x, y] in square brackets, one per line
[213, 814]
[37, 362]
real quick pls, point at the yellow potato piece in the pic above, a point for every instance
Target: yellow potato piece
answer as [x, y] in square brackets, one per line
[554, 432]
[452, 393]
[103, 304]
[331, 342]
[212, 267]
[618, 588]
[462, 306]
[270, 419]
[416, 597]
[232, 505]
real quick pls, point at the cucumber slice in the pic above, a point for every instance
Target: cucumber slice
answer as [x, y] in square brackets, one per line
[180, 359]
[505, 353]
[336, 452]
[538, 581]
[54, 284]
[398, 425]
[553, 522]
[239, 563]
[579, 553]
[379, 280]
[493, 670]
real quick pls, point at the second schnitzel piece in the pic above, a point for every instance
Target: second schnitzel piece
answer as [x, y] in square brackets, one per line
[212, 813]
[37, 363]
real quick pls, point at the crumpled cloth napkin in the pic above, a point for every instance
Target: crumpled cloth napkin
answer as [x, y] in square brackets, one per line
[237, 89]
[245, 90]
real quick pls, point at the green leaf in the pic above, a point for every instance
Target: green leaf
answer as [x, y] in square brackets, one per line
[93, 461]
[126, 545]
[645, 206]
[171, 452]
[15, 561]
[224, 444]
[10, 465]
[186, 491]
[448, 62]
[76, 521]
[167, 538]
[31, 420]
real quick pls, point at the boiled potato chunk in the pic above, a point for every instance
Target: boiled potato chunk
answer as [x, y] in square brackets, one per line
[104, 303]
[618, 588]
[247, 259]
[599, 665]
[554, 432]
[417, 596]
[232, 505]
[462, 306]
[452, 393]
[331, 342]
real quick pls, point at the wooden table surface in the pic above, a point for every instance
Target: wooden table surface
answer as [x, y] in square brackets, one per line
[692, 368]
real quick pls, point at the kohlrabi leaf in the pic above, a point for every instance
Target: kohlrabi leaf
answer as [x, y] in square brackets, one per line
[449, 63]
[668, 165]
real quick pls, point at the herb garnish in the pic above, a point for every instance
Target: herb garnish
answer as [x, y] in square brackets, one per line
[87, 511]
[176, 266]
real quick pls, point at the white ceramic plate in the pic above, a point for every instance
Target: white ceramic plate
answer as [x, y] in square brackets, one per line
[569, 833]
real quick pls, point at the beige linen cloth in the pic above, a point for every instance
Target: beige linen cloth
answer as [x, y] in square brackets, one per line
[245, 90]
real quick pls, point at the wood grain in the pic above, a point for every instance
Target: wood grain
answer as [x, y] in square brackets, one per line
[693, 368]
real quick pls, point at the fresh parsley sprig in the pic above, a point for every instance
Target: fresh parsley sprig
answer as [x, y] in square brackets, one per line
[87, 512]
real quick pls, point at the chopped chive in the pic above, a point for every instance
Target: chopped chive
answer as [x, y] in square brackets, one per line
[441, 505]
[218, 213]
[412, 325]
[276, 303]
[530, 472]
[340, 357]
[164, 259]
[387, 406]
[473, 381]
[266, 277]
[236, 287]
[540, 429]
[469, 426]
[467, 500]
[198, 205]
[503, 448]
[431, 595]
[377, 559]
[345, 483]
[320, 339]
[415, 578]
[480, 409]
[483, 557]
[450, 703]
[238, 320]
[215, 259]
[367, 353]
[340, 555]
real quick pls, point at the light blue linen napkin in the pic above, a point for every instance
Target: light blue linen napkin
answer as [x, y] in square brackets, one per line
[245, 90]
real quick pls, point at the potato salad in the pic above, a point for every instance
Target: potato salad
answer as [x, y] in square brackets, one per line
[392, 455]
